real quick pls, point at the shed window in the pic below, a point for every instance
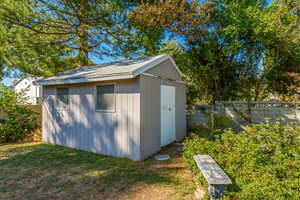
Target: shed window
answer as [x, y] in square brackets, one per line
[62, 98]
[105, 97]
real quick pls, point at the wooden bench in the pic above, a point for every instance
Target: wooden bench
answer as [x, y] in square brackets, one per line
[214, 175]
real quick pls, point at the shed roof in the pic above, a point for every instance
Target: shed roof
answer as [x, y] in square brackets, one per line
[108, 71]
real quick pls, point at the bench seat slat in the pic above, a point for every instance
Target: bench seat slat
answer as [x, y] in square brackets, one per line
[211, 171]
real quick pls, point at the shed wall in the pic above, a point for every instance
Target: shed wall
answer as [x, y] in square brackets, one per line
[150, 113]
[81, 126]
[165, 69]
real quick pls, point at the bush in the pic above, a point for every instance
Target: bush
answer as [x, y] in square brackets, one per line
[214, 128]
[218, 121]
[19, 120]
[263, 161]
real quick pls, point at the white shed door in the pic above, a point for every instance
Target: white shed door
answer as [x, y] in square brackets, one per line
[167, 110]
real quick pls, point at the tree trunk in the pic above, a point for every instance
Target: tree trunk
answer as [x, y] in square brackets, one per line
[83, 35]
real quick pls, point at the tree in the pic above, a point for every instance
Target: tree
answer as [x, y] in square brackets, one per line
[235, 49]
[44, 37]
[270, 35]
[18, 50]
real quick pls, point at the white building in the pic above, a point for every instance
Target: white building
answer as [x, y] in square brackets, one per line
[32, 93]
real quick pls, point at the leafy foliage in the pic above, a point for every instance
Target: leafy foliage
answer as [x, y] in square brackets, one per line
[46, 37]
[235, 49]
[19, 119]
[23, 49]
[263, 161]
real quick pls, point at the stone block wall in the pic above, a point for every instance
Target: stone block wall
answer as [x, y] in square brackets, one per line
[256, 111]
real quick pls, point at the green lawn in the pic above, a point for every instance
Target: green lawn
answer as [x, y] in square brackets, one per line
[41, 171]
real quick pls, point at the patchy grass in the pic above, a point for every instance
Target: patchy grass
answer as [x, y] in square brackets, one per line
[42, 171]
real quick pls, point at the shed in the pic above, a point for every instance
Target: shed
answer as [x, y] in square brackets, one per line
[128, 108]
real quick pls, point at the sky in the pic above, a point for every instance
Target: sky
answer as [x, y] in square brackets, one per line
[7, 81]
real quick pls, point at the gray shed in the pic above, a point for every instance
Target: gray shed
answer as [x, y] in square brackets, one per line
[128, 108]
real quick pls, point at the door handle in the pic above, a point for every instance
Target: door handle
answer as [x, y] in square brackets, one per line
[169, 109]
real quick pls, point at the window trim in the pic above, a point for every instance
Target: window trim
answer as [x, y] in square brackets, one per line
[56, 99]
[95, 98]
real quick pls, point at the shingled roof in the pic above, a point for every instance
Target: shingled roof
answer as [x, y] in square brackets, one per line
[123, 69]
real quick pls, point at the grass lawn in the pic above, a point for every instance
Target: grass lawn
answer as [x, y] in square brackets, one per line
[41, 171]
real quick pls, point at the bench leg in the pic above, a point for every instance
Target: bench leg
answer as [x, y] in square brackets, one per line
[216, 191]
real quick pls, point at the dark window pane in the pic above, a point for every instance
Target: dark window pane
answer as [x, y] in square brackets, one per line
[62, 97]
[105, 99]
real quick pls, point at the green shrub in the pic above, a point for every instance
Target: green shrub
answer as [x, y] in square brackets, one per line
[19, 120]
[214, 128]
[218, 121]
[263, 161]
[206, 132]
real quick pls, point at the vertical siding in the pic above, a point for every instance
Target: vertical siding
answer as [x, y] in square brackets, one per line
[150, 113]
[110, 133]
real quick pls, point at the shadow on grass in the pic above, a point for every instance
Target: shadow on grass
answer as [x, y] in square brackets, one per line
[44, 171]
